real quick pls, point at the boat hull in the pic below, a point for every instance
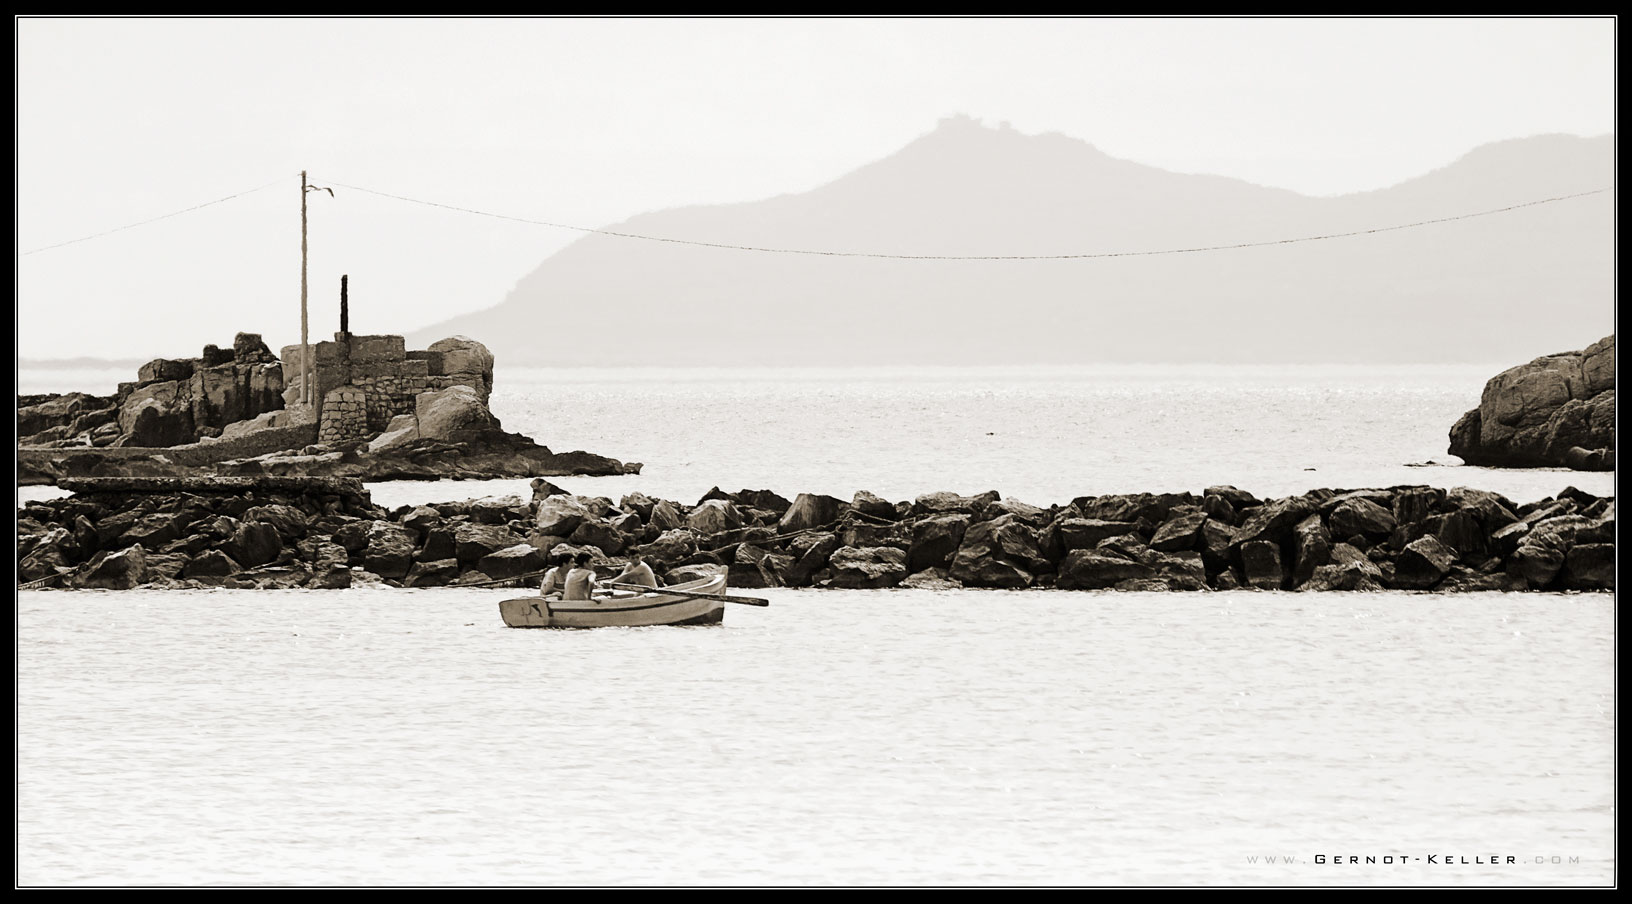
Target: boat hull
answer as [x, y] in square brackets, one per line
[634, 610]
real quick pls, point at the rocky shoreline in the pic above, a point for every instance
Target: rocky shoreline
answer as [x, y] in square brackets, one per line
[482, 455]
[324, 532]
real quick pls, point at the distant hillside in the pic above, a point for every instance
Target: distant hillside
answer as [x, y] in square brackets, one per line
[1498, 287]
[82, 363]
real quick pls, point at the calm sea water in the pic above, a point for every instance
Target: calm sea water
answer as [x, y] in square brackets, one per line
[403, 737]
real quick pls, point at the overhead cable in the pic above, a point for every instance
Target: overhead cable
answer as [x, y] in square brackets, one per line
[970, 257]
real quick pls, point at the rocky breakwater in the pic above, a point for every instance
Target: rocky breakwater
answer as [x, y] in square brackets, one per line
[1402, 538]
[1556, 411]
[386, 414]
[121, 533]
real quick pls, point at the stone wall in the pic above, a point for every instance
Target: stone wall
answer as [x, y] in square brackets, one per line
[330, 364]
[391, 386]
[379, 365]
[345, 415]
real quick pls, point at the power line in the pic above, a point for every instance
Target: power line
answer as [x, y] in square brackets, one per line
[972, 257]
[174, 213]
[866, 254]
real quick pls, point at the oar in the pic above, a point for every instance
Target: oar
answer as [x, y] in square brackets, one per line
[668, 591]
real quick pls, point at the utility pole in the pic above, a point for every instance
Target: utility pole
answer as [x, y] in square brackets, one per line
[305, 349]
[308, 367]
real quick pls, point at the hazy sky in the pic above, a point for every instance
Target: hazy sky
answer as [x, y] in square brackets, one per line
[590, 121]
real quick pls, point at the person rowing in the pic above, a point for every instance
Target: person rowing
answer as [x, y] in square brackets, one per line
[636, 572]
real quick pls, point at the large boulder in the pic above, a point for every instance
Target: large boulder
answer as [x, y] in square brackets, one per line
[463, 361]
[522, 558]
[121, 570]
[50, 555]
[390, 550]
[211, 563]
[59, 411]
[399, 431]
[1543, 550]
[1180, 532]
[935, 540]
[1273, 521]
[809, 510]
[164, 370]
[753, 567]
[1091, 569]
[871, 505]
[291, 523]
[713, 516]
[498, 509]
[597, 533]
[1001, 552]
[452, 414]
[462, 355]
[810, 557]
[867, 568]
[671, 546]
[943, 503]
[1150, 507]
[1181, 570]
[561, 515]
[434, 573]
[1071, 534]
[1311, 548]
[254, 543]
[1360, 517]
[242, 390]
[473, 542]
[1261, 565]
[1590, 566]
[1349, 569]
[1533, 414]
[159, 414]
[665, 517]
[1423, 563]
[152, 531]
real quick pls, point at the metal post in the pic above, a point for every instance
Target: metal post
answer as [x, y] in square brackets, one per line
[305, 349]
[345, 319]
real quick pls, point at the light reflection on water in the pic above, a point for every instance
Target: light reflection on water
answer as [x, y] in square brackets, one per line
[904, 737]
[1042, 435]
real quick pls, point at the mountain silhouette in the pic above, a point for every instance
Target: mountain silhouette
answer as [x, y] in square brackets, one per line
[1507, 286]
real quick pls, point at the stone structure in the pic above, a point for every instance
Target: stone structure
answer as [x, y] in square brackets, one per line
[387, 378]
[345, 415]
[381, 412]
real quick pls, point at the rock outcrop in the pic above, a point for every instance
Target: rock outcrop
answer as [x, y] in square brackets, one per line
[385, 413]
[1556, 411]
[273, 531]
[170, 403]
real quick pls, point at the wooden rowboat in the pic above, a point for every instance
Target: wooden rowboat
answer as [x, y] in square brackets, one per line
[677, 605]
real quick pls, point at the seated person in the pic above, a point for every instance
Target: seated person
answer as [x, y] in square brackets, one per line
[636, 572]
[555, 578]
[580, 581]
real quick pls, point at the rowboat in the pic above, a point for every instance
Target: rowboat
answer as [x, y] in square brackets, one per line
[699, 602]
